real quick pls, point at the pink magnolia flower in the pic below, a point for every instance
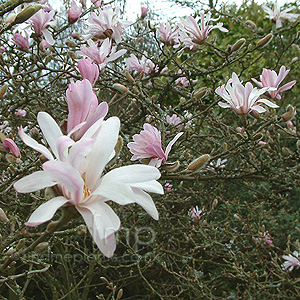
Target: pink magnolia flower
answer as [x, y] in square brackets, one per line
[74, 12]
[292, 261]
[11, 146]
[40, 23]
[88, 70]
[83, 107]
[147, 145]
[167, 34]
[144, 12]
[101, 55]
[20, 41]
[242, 99]
[196, 213]
[106, 24]
[78, 175]
[265, 237]
[174, 119]
[269, 78]
[192, 35]
[278, 16]
[44, 45]
[20, 112]
[168, 187]
[144, 64]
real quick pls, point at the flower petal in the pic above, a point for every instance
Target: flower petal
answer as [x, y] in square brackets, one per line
[170, 145]
[46, 211]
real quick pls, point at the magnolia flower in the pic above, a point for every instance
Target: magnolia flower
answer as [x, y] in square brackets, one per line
[147, 145]
[291, 262]
[242, 99]
[265, 237]
[144, 65]
[20, 41]
[83, 107]
[106, 25]
[269, 78]
[219, 164]
[167, 34]
[11, 146]
[174, 119]
[40, 23]
[77, 172]
[144, 12]
[192, 35]
[20, 112]
[102, 55]
[168, 187]
[196, 213]
[74, 12]
[278, 16]
[88, 70]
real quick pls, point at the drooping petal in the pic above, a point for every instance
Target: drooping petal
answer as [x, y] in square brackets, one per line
[152, 186]
[170, 145]
[100, 219]
[46, 211]
[34, 182]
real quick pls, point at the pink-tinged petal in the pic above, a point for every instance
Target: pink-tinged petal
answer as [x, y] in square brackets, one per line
[170, 145]
[66, 176]
[118, 192]
[48, 36]
[257, 82]
[29, 141]
[281, 75]
[132, 174]
[46, 211]
[79, 151]
[93, 130]
[268, 102]
[102, 151]
[146, 202]
[155, 162]
[287, 86]
[11, 146]
[152, 186]
[77, 127]
[258, 108]
[100, 219]
[224, 105]
[50, 129]
[63, 144]
[34, 182]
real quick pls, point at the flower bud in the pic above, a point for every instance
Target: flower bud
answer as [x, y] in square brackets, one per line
[41, 246]
[71, 43]
[118, 146]
[12, 159]
[81, 229]
[171, 167]
[257, 137]
[26, 13]
[238, 44]
[21, 244]
[2, 137]
[250, 24]
[199, 93]
[264, 41]
[215, 203]
[3, 90]
[121, 88]
[10, 251]
[287, 151]
[3, 216]
[198, 163]
[129, 77]
[289, 114]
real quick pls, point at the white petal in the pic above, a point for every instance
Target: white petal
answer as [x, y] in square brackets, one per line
[34, 182]
[152, 186]
[133, 174]
[146, 202]
[50, 130]
[46, 211]
[100, 219]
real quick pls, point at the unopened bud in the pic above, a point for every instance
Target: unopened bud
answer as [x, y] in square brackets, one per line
[71, 43]
[198, 163]
[199, 93]
[72, 55]
[21, 244]
[12, 159]
[289, 114]
[257, 137]
[49, 193]
[264, 41]
[120, 87]
[294, 60]
[238, 44]
[118, 146]
[287, 151]
[81, 229]
[3, 216]
[52, 226]
[129, 77]
[250, 24]
[215, 203]
[237, 217]
[182, 100]
[42, 246]
[2, 137]
[3, 90]
[10, 251]
[171, 167]
[120, 294]
[26, 13]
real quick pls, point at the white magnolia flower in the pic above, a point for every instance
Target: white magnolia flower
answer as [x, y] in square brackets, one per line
[291, 262]
[77, 171]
